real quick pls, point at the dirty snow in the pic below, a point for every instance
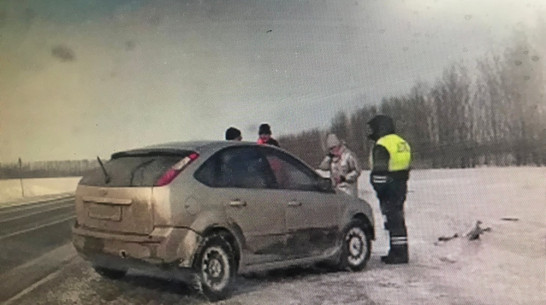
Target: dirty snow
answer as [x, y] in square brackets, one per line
[505, 266]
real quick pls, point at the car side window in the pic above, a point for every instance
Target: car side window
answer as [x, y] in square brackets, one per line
[290, 173]
[239, 167]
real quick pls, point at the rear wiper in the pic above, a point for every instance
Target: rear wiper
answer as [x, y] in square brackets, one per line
[106, 176]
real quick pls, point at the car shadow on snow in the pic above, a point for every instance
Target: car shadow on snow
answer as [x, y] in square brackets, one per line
[137, 286]
[250, 282]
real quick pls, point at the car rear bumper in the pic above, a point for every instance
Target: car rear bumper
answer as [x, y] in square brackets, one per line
[117, 263]
[165, 246]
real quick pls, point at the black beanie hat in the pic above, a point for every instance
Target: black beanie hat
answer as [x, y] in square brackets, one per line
[380, 125]
[232, 133]
[264, 129]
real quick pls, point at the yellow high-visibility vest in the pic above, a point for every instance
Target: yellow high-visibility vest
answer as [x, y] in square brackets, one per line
[399, 152]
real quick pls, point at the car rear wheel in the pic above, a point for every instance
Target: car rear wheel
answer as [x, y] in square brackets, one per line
[355, 247]
[110, 273]
[215, 266]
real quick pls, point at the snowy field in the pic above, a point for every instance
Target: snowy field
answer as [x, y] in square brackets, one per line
[10, 189]
[505, 266]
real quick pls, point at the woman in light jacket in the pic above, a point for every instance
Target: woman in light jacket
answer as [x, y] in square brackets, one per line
[343, 166]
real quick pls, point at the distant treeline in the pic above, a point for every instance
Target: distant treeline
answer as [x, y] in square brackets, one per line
[493, 115]
[47, 169]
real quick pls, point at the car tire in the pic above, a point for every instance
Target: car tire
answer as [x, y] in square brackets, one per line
[110, 273]
[215, 267]
[355, 247]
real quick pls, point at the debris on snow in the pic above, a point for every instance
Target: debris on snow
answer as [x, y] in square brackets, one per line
[446, 259]
[510, 219]
[445, 239]
[477, 231]
[448, 238]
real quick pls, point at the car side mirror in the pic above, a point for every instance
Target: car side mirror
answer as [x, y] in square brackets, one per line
[325, 185]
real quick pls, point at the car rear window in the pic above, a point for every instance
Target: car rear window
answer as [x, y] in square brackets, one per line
[133, 170]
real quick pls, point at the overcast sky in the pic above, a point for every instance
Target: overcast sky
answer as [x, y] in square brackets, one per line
[81, 78]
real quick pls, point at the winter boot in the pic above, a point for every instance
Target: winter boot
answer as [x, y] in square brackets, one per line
[395, 259]
[398, 253]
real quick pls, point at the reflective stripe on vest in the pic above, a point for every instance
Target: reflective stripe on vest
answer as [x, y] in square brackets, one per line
[399, 152]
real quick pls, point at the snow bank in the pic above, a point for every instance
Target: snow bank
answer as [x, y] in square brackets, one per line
[10, 189]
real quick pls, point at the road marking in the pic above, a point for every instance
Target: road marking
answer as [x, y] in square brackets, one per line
[38, 227]
[35, 213]
[51, 264]
[33, 286]
[33, 205]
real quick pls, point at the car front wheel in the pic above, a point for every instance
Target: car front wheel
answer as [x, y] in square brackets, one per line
[355, 247]
[215, 267]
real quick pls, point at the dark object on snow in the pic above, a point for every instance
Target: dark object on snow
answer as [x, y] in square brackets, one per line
[510, 219]
[477, 231]
[448, 238]
[445, 238]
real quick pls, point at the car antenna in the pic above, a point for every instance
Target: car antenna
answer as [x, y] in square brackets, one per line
[106, 176]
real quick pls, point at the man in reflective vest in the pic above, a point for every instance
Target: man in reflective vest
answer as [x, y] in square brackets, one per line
[390, 164]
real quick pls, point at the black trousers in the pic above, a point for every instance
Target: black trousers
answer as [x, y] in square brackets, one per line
[391, 202]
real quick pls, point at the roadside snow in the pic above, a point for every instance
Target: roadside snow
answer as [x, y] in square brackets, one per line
[505, 266]
[10, 189]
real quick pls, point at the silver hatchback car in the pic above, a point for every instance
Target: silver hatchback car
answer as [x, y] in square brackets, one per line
[216, 209]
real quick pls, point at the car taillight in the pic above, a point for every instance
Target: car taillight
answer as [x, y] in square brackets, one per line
[176, 169]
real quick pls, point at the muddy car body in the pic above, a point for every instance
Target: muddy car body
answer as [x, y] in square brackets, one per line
[216, 209]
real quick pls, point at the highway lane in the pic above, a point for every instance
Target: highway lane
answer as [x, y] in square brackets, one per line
[35, 241]
[19, 220]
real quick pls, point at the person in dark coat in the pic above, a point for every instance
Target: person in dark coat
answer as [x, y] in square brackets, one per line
[390, 167]
[264, 133]
[233, 134]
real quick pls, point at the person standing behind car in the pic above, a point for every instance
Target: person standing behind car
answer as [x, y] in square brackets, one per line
[264, 133]
[233, 134]
[342, 165]
[390, 165]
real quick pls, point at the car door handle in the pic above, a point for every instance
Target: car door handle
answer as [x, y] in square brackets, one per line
[294, 203]
[237, 203]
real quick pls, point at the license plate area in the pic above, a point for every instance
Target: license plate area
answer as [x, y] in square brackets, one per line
[104, 212]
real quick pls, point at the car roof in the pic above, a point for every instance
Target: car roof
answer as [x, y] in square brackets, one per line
[183, 147]
[201, 147]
